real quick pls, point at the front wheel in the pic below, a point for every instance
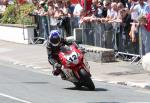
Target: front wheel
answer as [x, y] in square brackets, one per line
[77, 84]
[86, 80]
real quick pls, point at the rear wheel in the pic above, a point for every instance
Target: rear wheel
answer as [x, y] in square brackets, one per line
[86, 79]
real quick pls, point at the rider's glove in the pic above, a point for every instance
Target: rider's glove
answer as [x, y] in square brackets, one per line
[57, 69]
[57, 65]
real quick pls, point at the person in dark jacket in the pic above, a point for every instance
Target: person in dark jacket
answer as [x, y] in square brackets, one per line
[55, 41]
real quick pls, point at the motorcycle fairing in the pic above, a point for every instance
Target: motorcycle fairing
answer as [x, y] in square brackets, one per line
[69, 75]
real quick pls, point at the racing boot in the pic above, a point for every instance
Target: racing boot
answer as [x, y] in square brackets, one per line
[63, 76]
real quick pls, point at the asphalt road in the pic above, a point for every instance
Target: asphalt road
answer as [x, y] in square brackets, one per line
[19, 84]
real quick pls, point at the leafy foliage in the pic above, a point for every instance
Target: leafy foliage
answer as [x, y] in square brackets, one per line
[9, 15]
[18, 14]
[23, 17]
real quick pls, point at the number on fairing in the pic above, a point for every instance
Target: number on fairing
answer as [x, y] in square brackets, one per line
[72, 57]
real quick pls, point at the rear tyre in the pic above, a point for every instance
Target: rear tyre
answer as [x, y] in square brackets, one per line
[86, 80]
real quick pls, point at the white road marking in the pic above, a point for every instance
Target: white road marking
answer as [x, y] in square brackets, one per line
[138, 102]
[14, 98]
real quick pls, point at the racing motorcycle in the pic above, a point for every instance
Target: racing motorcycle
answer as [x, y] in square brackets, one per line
[75, 67]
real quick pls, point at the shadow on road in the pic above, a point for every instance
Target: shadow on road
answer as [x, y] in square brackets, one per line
[85, 89]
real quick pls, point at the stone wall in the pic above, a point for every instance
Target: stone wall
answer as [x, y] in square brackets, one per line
[98, 54]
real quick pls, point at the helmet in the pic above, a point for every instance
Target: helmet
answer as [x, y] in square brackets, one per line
[54, 38]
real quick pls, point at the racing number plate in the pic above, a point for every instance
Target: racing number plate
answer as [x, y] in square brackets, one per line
[72, 58]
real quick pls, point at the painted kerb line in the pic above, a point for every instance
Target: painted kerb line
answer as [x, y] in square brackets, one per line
[14, 98]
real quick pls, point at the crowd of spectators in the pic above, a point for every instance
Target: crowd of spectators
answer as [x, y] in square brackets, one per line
[126, 12]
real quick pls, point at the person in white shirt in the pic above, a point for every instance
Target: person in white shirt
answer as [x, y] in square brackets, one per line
[142, 9]
[113, 13]
[107, 5]
[76, 13]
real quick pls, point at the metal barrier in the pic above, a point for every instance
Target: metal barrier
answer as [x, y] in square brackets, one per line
[45, 24]
[106, 35]
[42, 29]
[98, 34]
[110, 35]
[64, 24]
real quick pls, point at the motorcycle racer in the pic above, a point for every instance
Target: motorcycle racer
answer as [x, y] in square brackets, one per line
[62, 53]
[55, 41]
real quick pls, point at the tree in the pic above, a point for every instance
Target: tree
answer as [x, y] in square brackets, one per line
[17, 13]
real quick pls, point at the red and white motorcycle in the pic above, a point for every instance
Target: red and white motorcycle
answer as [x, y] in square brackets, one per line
[75, 67]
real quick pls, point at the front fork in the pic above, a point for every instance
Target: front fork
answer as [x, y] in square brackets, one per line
[71, 74]
[84, 66]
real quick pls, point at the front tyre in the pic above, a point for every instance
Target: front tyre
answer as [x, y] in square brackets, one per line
[77, 84]
[86, 80]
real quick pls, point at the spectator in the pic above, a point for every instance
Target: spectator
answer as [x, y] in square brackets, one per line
[87, 6]
[76, 13]
[124, 2]
[142, 9]
[70, 7]
[113, 13]
[65, 24]
[93, 13]
[120, 6]
[84, 17]
[130, 3]
[60, 4]
[94, 4]
[100, 8]
[125, 29]
[134, 16]
[104, 8]
[126, 20]
[94, 8]
[107, 5]
[111, 10]
[145, 31]
[65, 8]
[77, 10]
[43, 13]
[52, 9]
